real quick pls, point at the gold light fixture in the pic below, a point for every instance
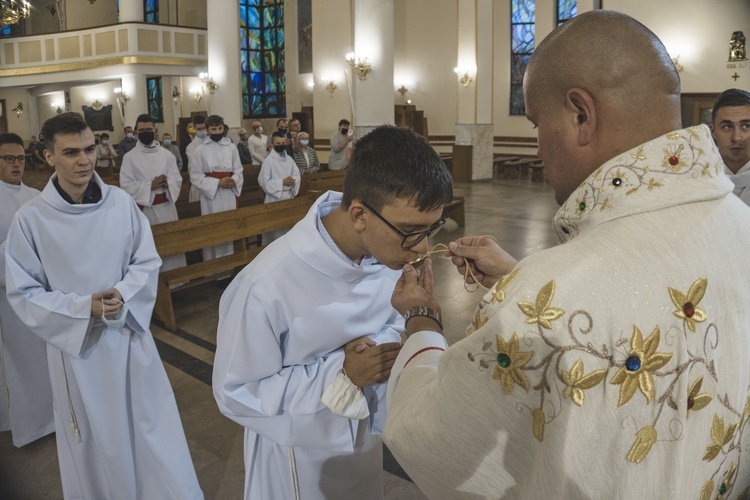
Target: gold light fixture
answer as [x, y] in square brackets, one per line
[360, 66]
[58, 108]
[677, 65]
[122, 96]
[18, 109]
[13, 11]
[97, 104]
[463, 76]
[197, 94]
[402, 90]
[176, 94]
[330, 85]
[211, 85]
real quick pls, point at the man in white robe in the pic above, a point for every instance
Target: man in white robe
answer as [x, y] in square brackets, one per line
[149, 174]
[279, 178]
[731, 132]
[216, 172]
[26, 401]
[81, 271]
[198, 127]
[616, 364]
[307, 334]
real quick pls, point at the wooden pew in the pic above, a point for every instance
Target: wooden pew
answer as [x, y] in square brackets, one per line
[185, 235]
[323, 181]
[251, 194]
[537, 172]
[455, 210]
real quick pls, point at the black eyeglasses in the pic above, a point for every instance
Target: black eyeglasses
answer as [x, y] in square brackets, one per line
[409, 239]
[9, 159]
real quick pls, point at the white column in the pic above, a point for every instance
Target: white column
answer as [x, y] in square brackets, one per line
[373, 38]
[134, 87]
[131, 11]
[224, 61]
[475, 104]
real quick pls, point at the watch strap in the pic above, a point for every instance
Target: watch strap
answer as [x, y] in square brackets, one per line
[423, 311]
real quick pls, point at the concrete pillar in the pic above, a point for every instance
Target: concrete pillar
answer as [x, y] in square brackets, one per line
[224, 61]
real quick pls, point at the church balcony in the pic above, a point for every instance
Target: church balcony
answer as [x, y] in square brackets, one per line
[102, 52]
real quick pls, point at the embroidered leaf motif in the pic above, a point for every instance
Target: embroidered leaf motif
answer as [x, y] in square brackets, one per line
[645, 439]
[498, 293]
[537, 424]
[653, 184]
[638, 155]
[687, 305]
[576, 383]
[479, 320]
[707, 489]
[696, 399]
[509, 363]
[720, 437]
[636, 372]
[540, 312]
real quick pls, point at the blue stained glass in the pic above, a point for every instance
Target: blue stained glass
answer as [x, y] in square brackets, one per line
[523, 11]
[254, 60]
[5, 31]
[253, 39]
[151, 11]
[253, 19]
[517, 104]
[518, 65]
[566, 9]
[154, 98]
[522, 38]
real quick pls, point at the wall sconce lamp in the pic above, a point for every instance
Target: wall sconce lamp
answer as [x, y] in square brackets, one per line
[210, 83]
[330, 85]
[18, 109]
[121, 95]
[176, 94]
[463, 75]
[197, 94]
[96, 104]
[402, 89]
[359, 65]
[677, 65]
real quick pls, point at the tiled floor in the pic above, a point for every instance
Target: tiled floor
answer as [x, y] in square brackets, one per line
[516, 212]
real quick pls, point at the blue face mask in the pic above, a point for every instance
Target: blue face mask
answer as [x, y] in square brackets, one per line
[118, 323]
[201, 134]
[167, 142]
[129, 135]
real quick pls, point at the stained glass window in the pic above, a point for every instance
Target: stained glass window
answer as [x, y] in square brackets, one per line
[5, 31]
[151, 11]
[262, 58]
[566, 9]
[155, 101]
[522, 26]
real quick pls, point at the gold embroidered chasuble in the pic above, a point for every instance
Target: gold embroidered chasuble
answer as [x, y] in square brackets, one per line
[615, 365]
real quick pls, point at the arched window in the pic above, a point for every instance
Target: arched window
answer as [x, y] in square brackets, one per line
[522, 27]
[262, 58]
[566, 9]
[155, 101]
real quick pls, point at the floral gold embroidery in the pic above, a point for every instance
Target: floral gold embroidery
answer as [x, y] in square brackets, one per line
[707, 489]
[479, 320]
[645, 439]
[537, 423]
[720, 436]
[673, 158]
[638, 368]
[540, 312]
[728, 482]
[687, 305]
[697, 401]
[576, 382]
[498, 293]
[637, 155]
[509, 363]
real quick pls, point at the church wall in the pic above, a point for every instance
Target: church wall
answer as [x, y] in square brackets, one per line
[82, 14]
[192, 13]
[18, 124]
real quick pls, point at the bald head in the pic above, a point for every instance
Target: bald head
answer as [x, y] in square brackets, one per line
[609, 82]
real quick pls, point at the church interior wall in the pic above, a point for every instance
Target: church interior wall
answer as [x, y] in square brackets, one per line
[82, 14]
[191, 13]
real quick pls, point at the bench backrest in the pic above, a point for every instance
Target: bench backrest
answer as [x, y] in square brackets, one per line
[185, 235]
[323, 181]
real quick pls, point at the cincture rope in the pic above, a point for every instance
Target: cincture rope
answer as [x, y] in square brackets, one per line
[440, 248]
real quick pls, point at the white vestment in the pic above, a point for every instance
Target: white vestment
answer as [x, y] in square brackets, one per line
[139, 167]
[194, 194]
[741, 181]
[258, 151]
[282, 324]
[119, 434]
[615, 365]
[26, 401]
[271, 177]
[216, 157]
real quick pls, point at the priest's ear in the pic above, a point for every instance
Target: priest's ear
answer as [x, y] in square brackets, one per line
[581, 107]
[356, 214]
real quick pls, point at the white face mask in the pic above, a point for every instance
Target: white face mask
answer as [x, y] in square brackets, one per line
[118, 323]
[304, 142]
[260, 130]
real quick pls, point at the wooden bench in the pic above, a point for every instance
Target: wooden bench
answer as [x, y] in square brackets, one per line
[185, 235]
[513, 169]
[323, 181]
[455, 210]
[251, 194]
[537, 172]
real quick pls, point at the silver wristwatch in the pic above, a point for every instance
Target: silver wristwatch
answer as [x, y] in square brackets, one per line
[423, 311]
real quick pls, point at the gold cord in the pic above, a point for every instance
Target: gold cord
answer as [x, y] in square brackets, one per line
[441, 248]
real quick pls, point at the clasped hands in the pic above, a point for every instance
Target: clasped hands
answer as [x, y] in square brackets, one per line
[160, 181]
[288, 181]
[227, 182]
[107, 303]
[486, 260]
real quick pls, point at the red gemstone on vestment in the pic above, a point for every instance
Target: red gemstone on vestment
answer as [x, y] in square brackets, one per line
[673, 160]
[688, 309]
[691, 402]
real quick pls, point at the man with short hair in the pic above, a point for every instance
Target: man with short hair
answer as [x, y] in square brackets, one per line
[217, 173]
[243, 149]
[150, 175]
[169, 145]
[340, 141]
[279, 178]
[26, 401]
[730, 128]
[81, 274]
[295, 127]
[257, 144]
[199, 127]
[127, 143]
[282, 126]
[306, 331]
[616, 364]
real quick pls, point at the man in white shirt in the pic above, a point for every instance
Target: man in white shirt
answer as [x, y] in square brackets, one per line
[730, 128]
[26, 402]
[340, 141]
[258, 144]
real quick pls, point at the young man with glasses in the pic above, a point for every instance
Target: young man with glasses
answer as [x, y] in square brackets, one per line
[307, 334]
[26, 401]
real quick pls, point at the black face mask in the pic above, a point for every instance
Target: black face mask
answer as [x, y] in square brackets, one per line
[282, 130]
[146, 138]
[344, 131]
[280, 148]
[216, 137]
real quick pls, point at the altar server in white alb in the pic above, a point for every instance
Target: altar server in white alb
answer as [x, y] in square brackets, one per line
[614, 365]
[279, 178]
[216, 171]
[150, 175]
[26, 401]
[81, 271]
[307, 333]
[731, 131]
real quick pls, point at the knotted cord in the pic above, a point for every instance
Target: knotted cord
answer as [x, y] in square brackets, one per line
[440, 248]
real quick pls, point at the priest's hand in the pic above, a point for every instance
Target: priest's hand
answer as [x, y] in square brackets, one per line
[108, 302]
[366, 363]
[414, 288]
[484, 257]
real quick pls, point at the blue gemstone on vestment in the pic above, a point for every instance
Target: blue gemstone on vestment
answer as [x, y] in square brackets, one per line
[633, 363]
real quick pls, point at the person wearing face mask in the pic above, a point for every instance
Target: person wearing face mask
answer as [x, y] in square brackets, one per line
[306, 157]
[166, 143]
[243, 149]
[127, 143]
[198, 123]
[257, 145]
[150, 175]
[282, 127]
[340, 141]
[105, 154]
[216, 171]
[279, 178]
